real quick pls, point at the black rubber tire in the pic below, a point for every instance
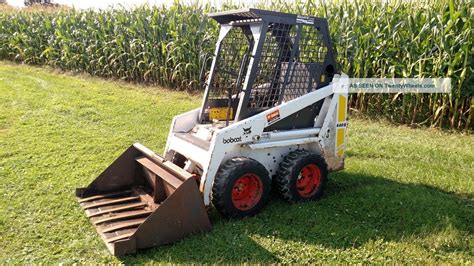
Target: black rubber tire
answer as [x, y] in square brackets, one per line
[289, 171]
[224, 181]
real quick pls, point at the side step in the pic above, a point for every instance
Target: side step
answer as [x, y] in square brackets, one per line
[141, 201]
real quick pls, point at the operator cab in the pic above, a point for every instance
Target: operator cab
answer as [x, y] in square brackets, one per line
[263, 58]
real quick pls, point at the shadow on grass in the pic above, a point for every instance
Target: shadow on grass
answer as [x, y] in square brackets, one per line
[356, 209]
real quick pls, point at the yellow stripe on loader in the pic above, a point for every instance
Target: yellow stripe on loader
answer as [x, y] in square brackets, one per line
[341, 113]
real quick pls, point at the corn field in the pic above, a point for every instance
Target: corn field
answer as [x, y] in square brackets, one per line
[165, 46]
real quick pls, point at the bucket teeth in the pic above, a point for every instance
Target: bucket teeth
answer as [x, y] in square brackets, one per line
[111, 209]
[109, 202]
[108, 195]
[122, 216]
[121, 225]
[120, 237]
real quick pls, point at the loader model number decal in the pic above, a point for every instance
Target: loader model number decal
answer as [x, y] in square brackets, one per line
[273, 116]
[343, 124]
[231, 140]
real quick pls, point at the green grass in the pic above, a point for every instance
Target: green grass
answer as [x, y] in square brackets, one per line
[406, 194]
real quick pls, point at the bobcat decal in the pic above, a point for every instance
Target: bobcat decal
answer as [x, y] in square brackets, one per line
[247, 130]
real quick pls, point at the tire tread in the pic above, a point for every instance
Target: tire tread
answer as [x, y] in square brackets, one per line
[221, 181]
[283, 181]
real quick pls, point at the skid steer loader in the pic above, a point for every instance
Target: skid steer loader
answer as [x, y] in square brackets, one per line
[273, 114]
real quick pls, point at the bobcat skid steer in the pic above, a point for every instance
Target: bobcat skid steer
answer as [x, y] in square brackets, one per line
[273, 115]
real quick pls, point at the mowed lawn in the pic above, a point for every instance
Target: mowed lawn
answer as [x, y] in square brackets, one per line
[406, 195]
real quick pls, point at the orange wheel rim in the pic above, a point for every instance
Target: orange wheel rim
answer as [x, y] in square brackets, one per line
[247, 191]
[308, 181]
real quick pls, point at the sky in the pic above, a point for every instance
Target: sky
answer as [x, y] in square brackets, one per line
[97, 3]
[106, 3]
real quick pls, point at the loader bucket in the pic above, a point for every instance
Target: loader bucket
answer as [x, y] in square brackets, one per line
[141, 200]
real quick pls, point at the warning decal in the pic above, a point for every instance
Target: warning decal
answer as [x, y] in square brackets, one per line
[273, 116]
[304, 20]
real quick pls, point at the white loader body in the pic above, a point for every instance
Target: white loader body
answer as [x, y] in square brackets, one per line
[208, 146]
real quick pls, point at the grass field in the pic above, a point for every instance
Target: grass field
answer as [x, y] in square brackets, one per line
[407, 195]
